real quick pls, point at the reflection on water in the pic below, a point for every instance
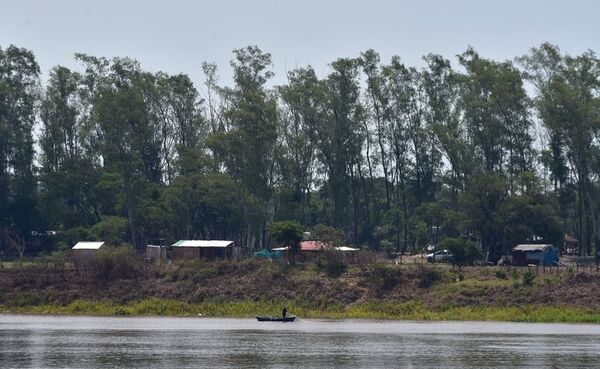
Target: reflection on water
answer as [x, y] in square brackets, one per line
[91, 342]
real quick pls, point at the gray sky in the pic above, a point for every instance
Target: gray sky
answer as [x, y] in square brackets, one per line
[176, 36]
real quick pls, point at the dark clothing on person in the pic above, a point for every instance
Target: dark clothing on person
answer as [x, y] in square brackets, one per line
[284, 312]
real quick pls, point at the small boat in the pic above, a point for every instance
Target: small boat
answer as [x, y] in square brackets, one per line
[264, 318]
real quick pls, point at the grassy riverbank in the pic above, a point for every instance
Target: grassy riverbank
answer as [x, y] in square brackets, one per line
[372, 310]
[117, 286]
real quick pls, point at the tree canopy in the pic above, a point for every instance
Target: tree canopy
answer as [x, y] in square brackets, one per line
[382, 154]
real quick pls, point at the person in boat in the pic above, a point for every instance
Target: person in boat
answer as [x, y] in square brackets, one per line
[283, 312]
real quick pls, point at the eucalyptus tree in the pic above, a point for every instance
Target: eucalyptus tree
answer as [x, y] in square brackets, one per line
[567, 103]
[19, 90]
[303, 109]
[248, 143]
[339, 140]
[176, 108]
[378, 103]
[441, 84]
[399, 87]
[427, 157]
[129, 146]
[496, 112]
[495, 109]
[69, 169]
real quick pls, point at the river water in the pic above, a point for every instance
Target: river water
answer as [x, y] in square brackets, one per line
[156, 342]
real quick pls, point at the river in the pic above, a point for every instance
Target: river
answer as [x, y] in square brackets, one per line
[28, 341]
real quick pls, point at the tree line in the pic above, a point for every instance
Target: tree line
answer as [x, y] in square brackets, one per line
[393, 156]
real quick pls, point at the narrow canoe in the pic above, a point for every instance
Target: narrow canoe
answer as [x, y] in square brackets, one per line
[289, 318]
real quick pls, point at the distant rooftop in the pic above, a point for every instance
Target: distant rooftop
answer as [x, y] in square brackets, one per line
[532, 247]
[88, 245]
[202, 243]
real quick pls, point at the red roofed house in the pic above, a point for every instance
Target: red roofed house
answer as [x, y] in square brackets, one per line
[310, 249]
[314, 246]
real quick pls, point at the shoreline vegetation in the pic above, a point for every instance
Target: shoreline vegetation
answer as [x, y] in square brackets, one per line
[116, 284]
[375, 310]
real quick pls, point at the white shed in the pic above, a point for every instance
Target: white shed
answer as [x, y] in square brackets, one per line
[207, 249]
[86, 250]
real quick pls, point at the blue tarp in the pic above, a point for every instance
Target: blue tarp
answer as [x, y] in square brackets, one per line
[268, 254]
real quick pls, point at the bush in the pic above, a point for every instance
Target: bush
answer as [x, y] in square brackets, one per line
[73, 235]
[501, 274]
[463, 252]
[114, 263]
[428, 276]
[528, 278]
[112, 230]
[332, 262]
[383, 277]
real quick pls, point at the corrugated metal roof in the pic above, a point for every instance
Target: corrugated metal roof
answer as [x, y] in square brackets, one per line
[346, 248]
[88, 245]
[532, 247]
[313, 245]
[202, 243]
[316, 246]
[570, 238]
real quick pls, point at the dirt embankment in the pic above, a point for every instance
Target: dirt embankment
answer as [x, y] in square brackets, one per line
[436, 287]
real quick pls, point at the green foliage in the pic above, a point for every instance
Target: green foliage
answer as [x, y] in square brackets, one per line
[384, 277]
[329, 235]
[288, 233]
[427, 276]
[391, 156]
[112, 230]
[463, 252]
[332, 262]
[528, 278]
[74, 235]
[204, 206]
[515, 278]
[387, 246]
[500, 274]
[113, 263]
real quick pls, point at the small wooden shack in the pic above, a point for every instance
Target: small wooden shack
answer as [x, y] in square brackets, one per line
[309, 250]
[85, 251]
[571, 245]
[537, 254]
[205, 249]
[156, 252]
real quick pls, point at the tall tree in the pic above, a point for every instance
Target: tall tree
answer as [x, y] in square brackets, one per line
[68, 165]
[249, 146]
[567, 102]
[19, 81]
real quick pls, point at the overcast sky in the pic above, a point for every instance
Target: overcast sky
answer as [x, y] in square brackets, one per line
[177, 36]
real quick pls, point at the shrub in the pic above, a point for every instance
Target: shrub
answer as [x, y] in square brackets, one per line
[383, 277]
[332, 262]
[528, 278]
[73, 235]
[288, 233]
[463, 252]
[501, 274]
[114, 263]
[111, 229]
[428, 276]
